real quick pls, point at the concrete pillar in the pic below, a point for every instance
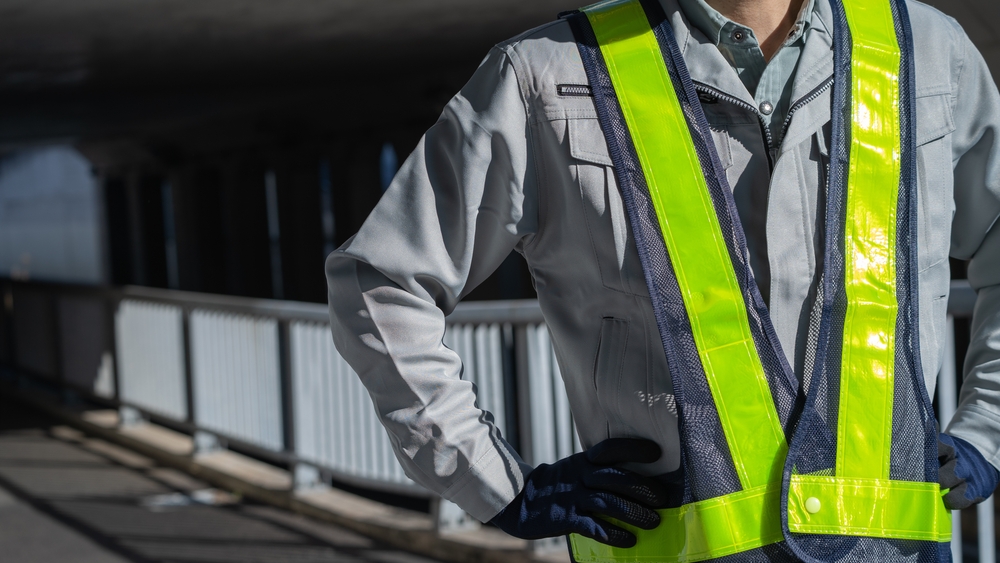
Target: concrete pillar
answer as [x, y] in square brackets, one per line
[119, 240]
[244, 228]
[301, 221]
[201, 248]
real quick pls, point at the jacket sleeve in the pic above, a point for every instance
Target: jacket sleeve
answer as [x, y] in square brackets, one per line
[453, 213]
[976, 236]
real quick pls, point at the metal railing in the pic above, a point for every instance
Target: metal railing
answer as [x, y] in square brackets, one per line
[263, 377]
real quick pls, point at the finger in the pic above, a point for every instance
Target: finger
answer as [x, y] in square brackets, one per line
[613, 506]
[946, 475]
[631, 485]
[946, 449]
[624, 450]
[955, 499]
[604, 532]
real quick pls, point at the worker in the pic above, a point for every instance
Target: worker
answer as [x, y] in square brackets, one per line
[737, 215]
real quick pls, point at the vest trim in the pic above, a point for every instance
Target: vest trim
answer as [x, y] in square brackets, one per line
[864, 429]
[690, 229]
[839, 481]
[698, 531]
[877, 508]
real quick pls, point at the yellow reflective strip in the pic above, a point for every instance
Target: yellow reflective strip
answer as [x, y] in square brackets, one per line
[864, 429]
[876, 508]
[693, 238]
[699, 531]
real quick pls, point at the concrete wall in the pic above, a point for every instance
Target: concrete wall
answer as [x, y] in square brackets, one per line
[50, 216]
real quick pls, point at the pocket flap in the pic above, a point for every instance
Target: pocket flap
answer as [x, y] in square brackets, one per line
[934, 118]
[586, 141]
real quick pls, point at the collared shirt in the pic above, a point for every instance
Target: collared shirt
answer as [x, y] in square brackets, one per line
[768, 82]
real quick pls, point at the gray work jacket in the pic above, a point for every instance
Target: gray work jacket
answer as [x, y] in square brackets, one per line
[512, 164]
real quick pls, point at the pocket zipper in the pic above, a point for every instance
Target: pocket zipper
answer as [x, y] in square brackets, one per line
[574, 90]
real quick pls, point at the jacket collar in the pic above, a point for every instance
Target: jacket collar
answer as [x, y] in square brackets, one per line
[705, 63]
[713, 24]
[708, 67]
[815, 69]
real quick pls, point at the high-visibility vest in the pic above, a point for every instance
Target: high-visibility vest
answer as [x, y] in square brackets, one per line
[841, 466]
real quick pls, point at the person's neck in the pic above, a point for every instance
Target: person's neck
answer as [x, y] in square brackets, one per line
[770, 20]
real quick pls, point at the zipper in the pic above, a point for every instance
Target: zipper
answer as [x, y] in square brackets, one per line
[766, 133]
[815, 93]
[768, 139]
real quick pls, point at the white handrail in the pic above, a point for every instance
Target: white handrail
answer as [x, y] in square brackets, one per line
[265, 374]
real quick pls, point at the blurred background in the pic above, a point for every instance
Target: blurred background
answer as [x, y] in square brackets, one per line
[223, 146]
[228, 147]
[173, 174]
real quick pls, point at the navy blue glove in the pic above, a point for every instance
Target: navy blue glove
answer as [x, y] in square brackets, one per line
[572, 494]
[965, 471]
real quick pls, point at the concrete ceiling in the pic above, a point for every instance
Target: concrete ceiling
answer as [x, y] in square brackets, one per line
[209, 73]
[144, 43]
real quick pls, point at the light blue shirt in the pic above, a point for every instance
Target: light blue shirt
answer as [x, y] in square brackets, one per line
[769, 83]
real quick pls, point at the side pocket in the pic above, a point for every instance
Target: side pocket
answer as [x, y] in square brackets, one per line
[608, 368]
[933, 326]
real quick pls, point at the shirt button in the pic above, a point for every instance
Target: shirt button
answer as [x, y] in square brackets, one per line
[739, 36]
[766, 108]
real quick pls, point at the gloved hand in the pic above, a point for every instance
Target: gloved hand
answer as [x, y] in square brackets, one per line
[965, 471]
[572, 494]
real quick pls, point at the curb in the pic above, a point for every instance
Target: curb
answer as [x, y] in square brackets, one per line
[401, 528]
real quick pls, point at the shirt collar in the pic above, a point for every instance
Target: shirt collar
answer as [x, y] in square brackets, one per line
[710, 22]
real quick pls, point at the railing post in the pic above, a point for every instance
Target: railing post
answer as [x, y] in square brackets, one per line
[524, 421]
[508, 356]
[287, 391]
[206, 443]
[66, 395]
[987, 532]
[448, 517]
[8, 328]
[129, 416]
[305, 476]
[111, 312]
[947, 402]
[188, 371]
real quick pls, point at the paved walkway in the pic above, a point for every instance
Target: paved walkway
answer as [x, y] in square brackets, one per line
[66, 498]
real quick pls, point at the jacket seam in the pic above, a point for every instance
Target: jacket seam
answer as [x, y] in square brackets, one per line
[469, 475]
[517, 65]
[928, 267]
[980, 410]
[593, 243]
[961, 65]
[564, 114]
[517, 39]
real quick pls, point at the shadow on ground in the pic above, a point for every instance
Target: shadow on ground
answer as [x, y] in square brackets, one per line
[67, 497]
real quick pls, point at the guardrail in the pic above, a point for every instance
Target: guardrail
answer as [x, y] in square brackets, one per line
[262, 376]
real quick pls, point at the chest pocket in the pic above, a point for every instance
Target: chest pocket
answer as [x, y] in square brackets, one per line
[936, 178]
[604, 211]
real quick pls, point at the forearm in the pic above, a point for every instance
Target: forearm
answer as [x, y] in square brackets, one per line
[976, 236]
[977, 419]
[453, 213]
[394, 341]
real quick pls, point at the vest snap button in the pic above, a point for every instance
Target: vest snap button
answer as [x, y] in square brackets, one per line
[813, 505]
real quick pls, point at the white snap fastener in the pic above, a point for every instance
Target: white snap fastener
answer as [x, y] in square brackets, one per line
[813, 505]
[766, 108]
